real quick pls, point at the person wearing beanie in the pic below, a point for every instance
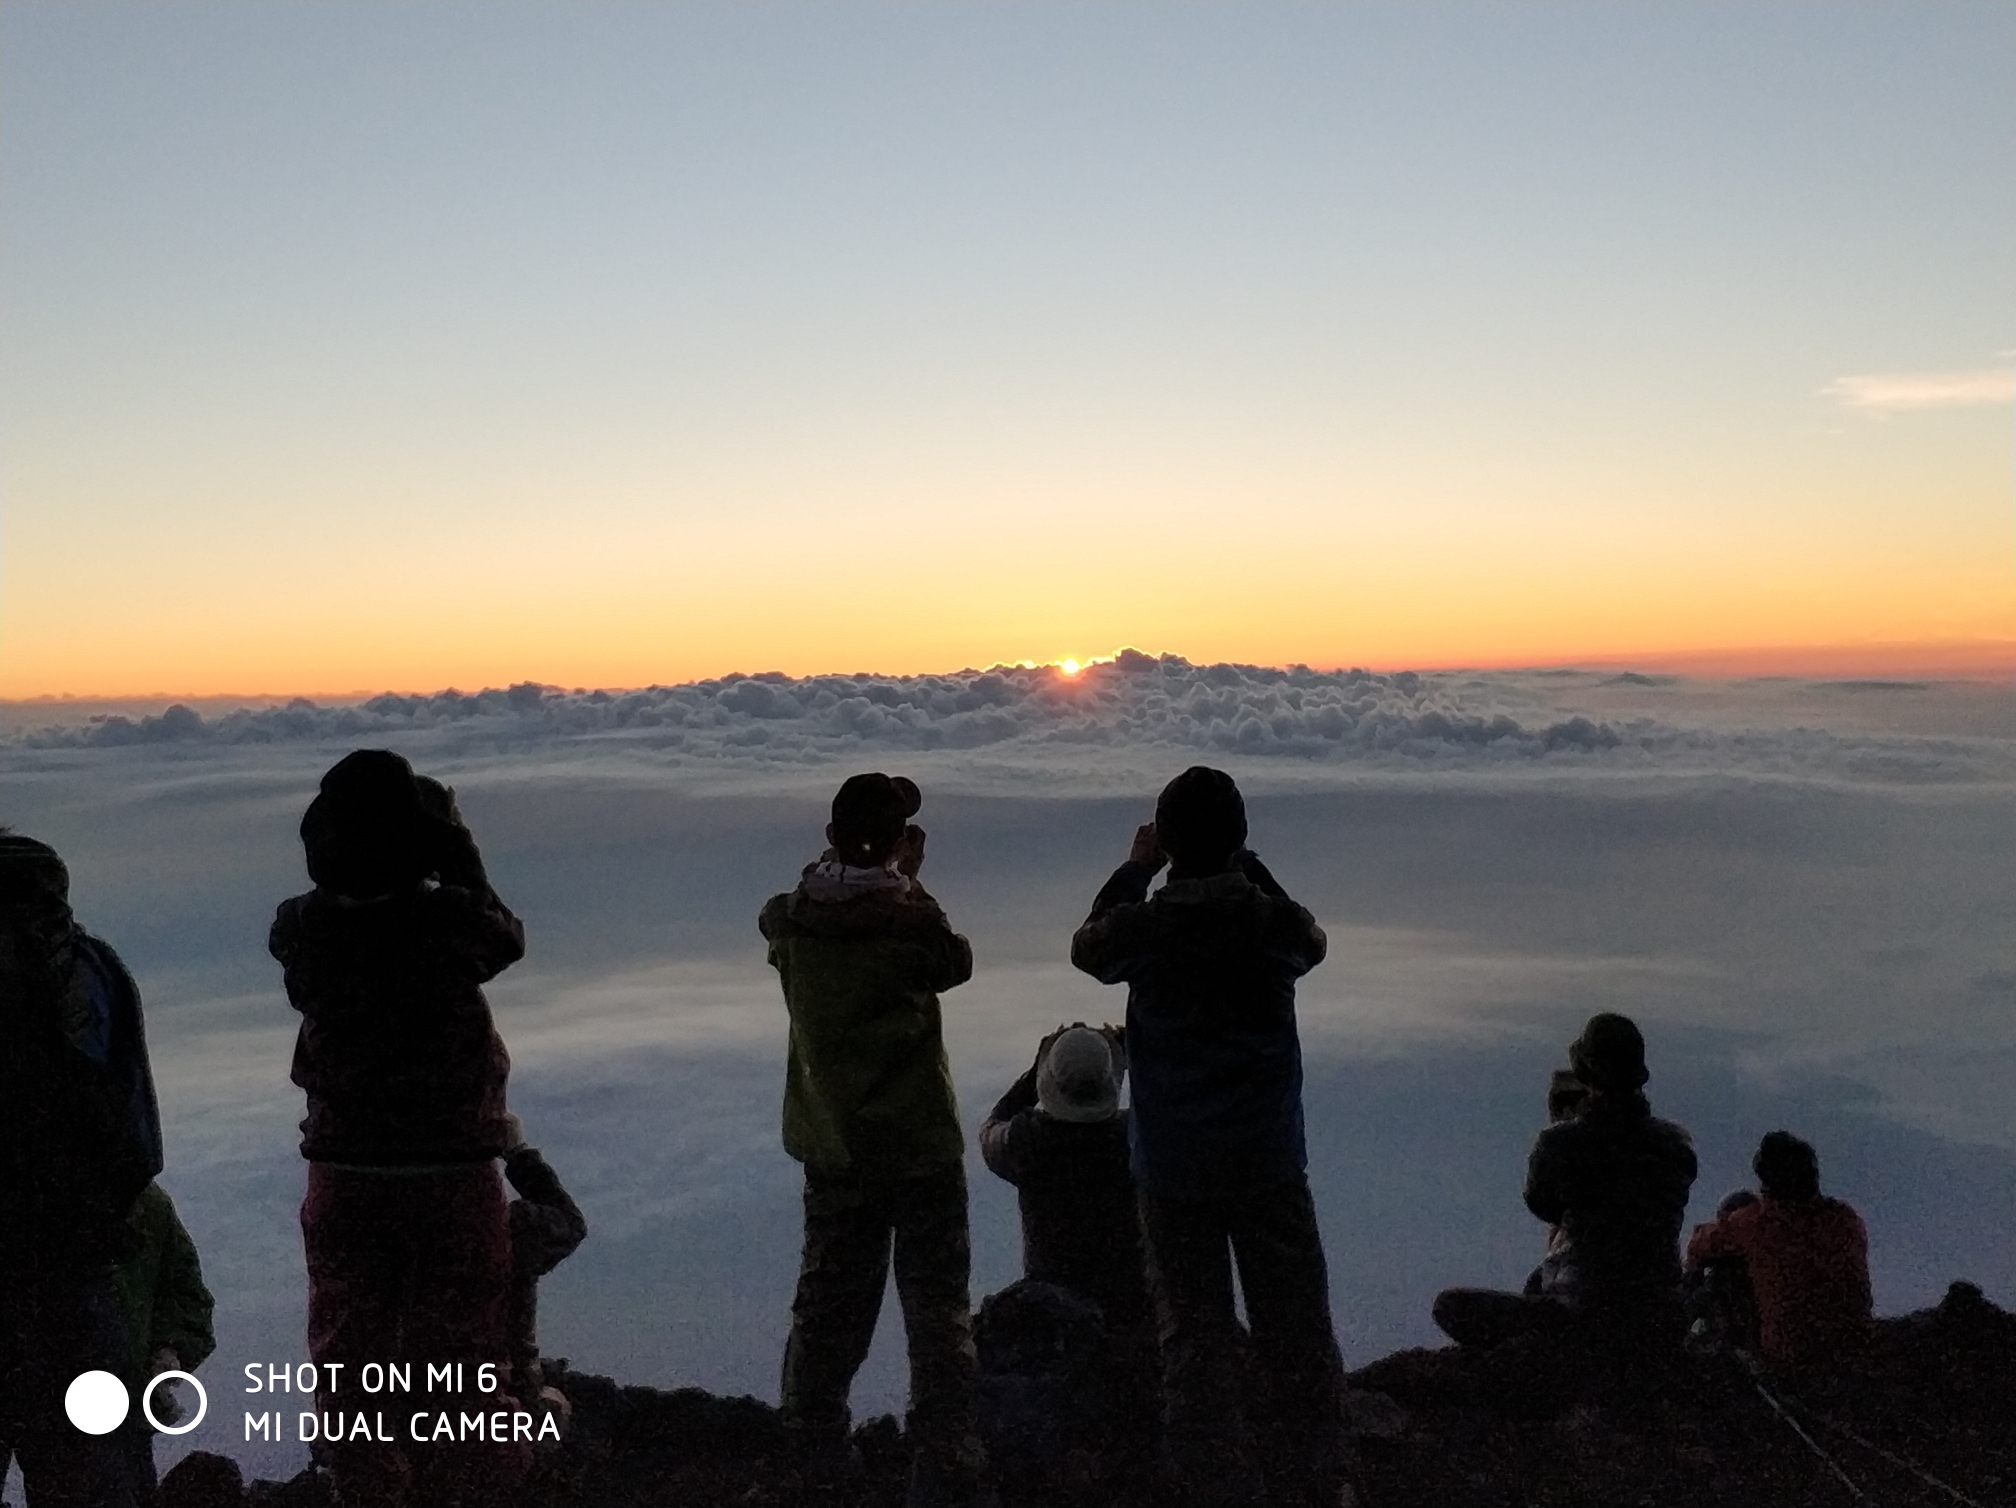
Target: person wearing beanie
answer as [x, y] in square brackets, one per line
[403, 1224]
[1611, 1180]
[1615, 1179]
[1806, 1257]
[1217, 1149]
[80, 1138]
[862, 952]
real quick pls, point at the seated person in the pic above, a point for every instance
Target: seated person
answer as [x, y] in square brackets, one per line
[1615, 1180]
[547, 1227]
[1566, 1095]
[1060, 1136]
[1720, 1310]
[1807, 1257]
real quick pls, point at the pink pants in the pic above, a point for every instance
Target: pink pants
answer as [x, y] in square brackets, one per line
[412, 1268]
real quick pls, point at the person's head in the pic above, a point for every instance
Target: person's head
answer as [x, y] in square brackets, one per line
[1734, 1200]
[1786, 1167]
[1076, 1080]
[869, 814]
[1200, 820]
[35, 920]
[369, 831]
[1609, 1056]
[1566, 1095]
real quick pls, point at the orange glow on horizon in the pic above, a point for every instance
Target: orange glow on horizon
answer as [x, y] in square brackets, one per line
[1989, 660]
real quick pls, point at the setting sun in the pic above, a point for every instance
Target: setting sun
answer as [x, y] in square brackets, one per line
[1069, 667]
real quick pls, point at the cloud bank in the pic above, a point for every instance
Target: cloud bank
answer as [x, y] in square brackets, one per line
[1402, 719]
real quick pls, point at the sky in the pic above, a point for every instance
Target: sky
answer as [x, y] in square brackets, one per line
[1799, 889]
[347, 348]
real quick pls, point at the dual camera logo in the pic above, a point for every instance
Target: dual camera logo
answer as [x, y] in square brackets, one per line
[97, 1403]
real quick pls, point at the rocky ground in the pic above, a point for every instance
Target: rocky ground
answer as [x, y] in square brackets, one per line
[1929, 1416]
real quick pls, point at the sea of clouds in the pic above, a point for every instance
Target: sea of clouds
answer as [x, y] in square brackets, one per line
[1135, 701]
[1801, 888]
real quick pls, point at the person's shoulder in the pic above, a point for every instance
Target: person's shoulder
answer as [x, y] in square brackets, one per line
[1840, 1212]
[1672, 1133]
[102, 957]
[874, 914]
[1559, 1137]
[774, 920]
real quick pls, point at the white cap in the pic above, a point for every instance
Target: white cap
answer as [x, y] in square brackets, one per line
[1077, 1081]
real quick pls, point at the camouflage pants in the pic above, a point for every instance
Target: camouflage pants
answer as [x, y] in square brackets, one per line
[1292, 1430]
[851, 1226]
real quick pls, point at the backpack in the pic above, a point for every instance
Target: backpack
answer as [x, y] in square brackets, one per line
[80, 1132]
[1042, 1390]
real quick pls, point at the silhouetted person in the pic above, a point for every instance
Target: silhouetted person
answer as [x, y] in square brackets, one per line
[167, 1312]
[203, 1479]
[547, 1227]
[1060, 1136]
[1566, 1096]
[80, 1137]
[1721, 1310]
[1614, 1179]
[404, 1225]
[1218, 1155]
[862, 951]
[1806, 1257]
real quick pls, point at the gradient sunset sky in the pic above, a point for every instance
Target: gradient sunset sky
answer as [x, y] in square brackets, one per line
[356, 346]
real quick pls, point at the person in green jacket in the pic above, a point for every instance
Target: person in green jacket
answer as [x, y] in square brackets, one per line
[862, 951]
[167, 1311]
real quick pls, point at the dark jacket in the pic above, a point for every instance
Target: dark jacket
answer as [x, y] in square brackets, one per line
[397, 1052]
[1615, 1179]
[80, 1131]
[866, 1086]
[1080, 1226]
[1216, 1065]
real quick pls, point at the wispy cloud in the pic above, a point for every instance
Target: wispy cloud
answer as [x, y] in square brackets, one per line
[1895, 392]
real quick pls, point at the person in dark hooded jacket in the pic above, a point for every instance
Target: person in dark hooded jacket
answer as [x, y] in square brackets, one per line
[404, 1223]
[1218, 1156]
[80, 1138]
[1613, 1179]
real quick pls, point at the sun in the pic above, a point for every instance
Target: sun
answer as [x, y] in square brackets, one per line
[1069, 667]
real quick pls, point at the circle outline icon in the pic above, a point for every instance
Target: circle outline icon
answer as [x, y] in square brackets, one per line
[88, 1394]
[147, 1402]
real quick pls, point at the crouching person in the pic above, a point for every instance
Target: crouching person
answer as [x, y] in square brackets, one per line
[404, 1224]
[1060, 1137]
[862, 951]
[1210, 962]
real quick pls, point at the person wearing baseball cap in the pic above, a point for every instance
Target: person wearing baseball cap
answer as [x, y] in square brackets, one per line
[863, 951]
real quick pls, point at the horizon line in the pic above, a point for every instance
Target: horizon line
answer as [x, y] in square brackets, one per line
[1963, 660]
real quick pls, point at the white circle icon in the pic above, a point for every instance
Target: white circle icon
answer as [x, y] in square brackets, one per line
[96, 1402]
[147, 1402]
